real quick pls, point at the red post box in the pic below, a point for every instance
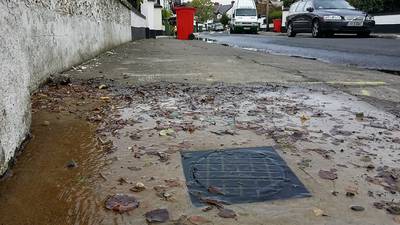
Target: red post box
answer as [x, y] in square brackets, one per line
[277, 25]
[184, 22]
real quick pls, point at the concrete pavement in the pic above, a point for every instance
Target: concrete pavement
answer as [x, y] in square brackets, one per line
[201, 62]
[128, 113]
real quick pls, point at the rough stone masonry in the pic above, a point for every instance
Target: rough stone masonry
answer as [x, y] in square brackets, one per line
[43, 37]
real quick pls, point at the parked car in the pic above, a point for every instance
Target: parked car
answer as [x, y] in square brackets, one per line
[244, 17]
[218, 27]
[327, 17]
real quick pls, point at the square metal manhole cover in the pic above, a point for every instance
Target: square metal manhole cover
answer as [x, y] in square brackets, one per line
[240, 175]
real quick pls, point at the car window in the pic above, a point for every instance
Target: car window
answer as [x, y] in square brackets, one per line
[308, 5]
[332, 4]
[293, 7]
[246, 12]
[300, 8]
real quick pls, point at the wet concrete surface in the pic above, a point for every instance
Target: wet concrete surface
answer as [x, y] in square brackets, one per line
[117, 137]
[371, 53]
[201, 62]
[124, 129]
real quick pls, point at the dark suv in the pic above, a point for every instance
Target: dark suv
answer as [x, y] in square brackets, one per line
[326, 17]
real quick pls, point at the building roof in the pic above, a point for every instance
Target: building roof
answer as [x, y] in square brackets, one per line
[222, 9]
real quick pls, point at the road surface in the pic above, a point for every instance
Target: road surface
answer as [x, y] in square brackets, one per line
[371, 53]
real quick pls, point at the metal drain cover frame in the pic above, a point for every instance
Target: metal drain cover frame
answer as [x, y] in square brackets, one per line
[240, 175]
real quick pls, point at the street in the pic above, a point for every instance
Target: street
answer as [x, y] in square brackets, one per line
[371, 53]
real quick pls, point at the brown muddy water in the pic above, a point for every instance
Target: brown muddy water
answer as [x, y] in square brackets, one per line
[121, 136]
[42, 189]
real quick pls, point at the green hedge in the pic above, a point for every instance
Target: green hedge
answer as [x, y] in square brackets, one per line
[277, 14]
[377, 6]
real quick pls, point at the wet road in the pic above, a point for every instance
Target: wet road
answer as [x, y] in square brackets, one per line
[371, 53]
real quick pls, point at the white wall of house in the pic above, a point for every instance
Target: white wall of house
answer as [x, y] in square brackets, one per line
[147, 9]
[137, 21]
[284, 15]
[157, 23]
[387, 19]
[229, 13]
[153, 15]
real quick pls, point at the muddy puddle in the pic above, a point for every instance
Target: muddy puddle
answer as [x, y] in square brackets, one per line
[42, 189]
[127, 140]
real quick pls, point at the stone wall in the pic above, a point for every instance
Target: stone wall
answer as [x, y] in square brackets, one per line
[43, 37]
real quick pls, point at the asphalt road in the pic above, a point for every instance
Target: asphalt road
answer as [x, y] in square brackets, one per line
[371, 53]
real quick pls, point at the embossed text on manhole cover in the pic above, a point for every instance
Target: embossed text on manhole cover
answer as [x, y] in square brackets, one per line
[240, 175]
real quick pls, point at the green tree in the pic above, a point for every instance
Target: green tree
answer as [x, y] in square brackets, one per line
[136, 3]
[204, 9]
[166, 14]
[274, 14]
[287, 3]
[368, 5]
[224, 20]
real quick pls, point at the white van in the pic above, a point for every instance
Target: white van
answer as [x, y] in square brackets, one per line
[244, 17]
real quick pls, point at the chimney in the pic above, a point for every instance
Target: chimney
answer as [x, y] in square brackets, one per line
[216, 3]
[232, 2]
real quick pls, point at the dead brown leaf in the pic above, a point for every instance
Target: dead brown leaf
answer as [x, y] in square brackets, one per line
[227, 213]
[328, 174]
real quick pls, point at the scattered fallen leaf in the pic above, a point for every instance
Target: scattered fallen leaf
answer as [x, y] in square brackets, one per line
[105, 98]
[197, 220]
[357, 208]
[71, 164]
[227, 213]
[122, 180]
[191, 220]
[360, 115]
[351, 191]
[121, 203]
[167, 132]
[138, 187]
[160, 188]
[304, 118]
[215, 190]
[365, 158]
[208, 208]
[328, 175]
[319, 212]
[167, 196]
[173, 183]
[396, 219]
[134, 168]
[395, 210]
[214, 202]
[103, 86]
[157, 216]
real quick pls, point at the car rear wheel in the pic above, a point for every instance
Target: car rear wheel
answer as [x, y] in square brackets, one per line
[290, 32]
[316, 29]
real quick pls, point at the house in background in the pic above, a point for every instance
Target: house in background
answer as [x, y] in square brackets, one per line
[146, 23]
[220, 10]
